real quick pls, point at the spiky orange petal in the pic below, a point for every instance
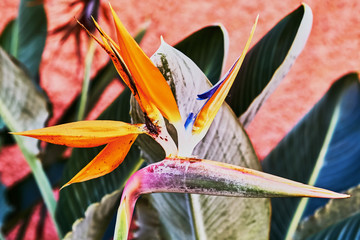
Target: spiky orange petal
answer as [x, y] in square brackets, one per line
[146, 75]
[106, 161]
[114, 52]
[84, 133]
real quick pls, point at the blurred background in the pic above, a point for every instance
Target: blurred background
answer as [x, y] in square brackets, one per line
[332, 50]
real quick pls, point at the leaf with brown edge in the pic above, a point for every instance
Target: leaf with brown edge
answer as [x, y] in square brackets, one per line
[106, 161]
[84, 133]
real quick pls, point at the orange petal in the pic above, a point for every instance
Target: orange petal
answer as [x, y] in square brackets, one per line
[145, 74]
[84, 133]
[112, 48]
[212, 106]
[114, 52]
[106, 161]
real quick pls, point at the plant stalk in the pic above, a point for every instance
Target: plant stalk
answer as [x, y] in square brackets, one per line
[42, 182]
[86, 82]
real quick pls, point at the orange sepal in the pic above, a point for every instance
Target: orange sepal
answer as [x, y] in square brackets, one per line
[106, 161]
[113, 51]
[147, 77]
[84, 133]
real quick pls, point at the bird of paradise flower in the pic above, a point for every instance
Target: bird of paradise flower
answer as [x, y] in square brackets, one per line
[179, 171]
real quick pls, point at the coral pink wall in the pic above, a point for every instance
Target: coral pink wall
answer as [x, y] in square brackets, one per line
[332, 50]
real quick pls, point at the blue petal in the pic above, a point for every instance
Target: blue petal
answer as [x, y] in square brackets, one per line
[211, 91]
[190, 120]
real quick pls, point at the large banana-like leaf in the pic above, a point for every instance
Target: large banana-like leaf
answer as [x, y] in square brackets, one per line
[322, 150]
[22, 106]
[147, 221]
[4, 206]
[207, 48]
[267, 63]
[32, 27]
[24, 38]
[348, 229]
[198, 217]
[6, 37]
[338, 219]
[25, 194]
[96, 220]
[75, 199]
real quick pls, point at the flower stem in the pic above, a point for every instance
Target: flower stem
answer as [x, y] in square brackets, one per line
[129, 197]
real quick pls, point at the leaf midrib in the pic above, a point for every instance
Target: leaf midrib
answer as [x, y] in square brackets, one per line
[315, 173]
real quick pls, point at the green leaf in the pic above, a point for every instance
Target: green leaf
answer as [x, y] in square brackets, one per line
[24, 38]
[346, 229]
[97, 218]
[225, 141]
[321, 150]
[22, 107]
[2, 125]
[97, 86]
[75, 199]
[32, 32]
[25, 194]
[147, 221]
[4, 206]
[86, 80]
[142, 31]
[267, 63]
[207, 48]
[7, 39]
[335, 220]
